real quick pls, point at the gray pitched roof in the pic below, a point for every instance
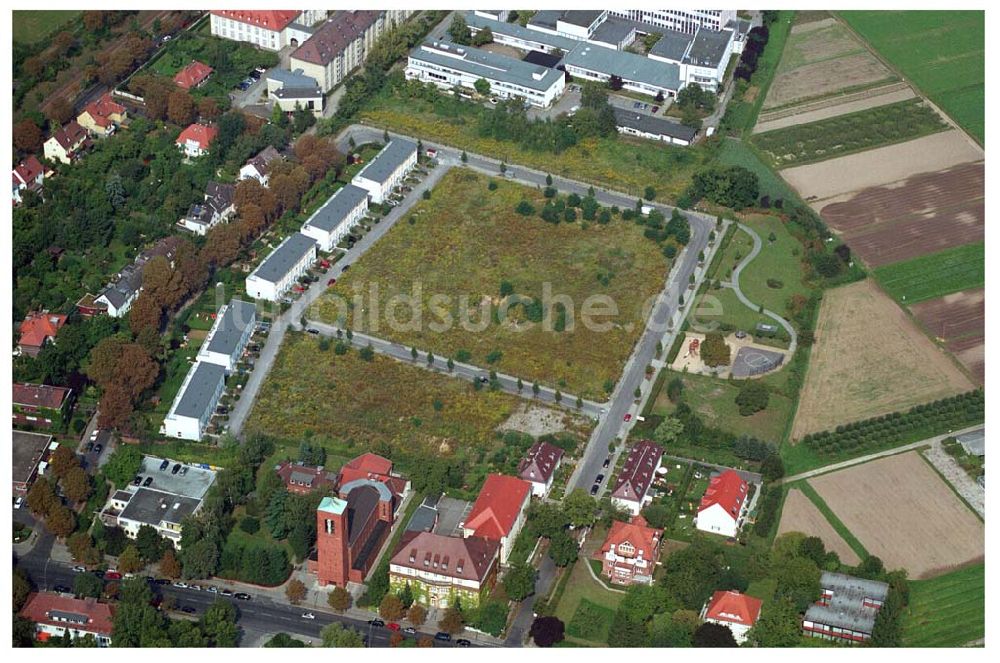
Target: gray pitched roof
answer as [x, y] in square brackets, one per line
[281, 260]
[298, 93]
[337, 207]
[128, 283]
[654, 125]
[388, 160]
[487, 65]
[196, 397]
[628, 66]
[229, 328]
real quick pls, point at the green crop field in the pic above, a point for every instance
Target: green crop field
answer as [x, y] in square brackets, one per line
[935, 274]
[466, 250]
[846, 134]
[31, 27]
[941, 52]
[947, 611]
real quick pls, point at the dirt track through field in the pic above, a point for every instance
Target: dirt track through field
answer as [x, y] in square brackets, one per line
[844, 175]
[959, 320]
[799, 514]
[924, 214]
[903, 512]
[869, 359]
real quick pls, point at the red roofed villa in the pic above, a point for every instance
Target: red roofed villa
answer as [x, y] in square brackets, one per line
[55, 614]
[27, 176]
[196, 139]
[442, 569]
[499, 512]
[737, 611]
[630, 551]
[637, 476]
[193, 75]
[102, 117]
[539, 465]
[723, 506]
[38, 329]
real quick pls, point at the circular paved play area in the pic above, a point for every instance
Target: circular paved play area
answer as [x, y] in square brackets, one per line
[750, 361]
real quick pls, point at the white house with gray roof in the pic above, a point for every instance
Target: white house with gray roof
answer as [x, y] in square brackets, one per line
[387, 169]
[282, 268]
[652, 127]
[701, 57]
[195, 402]
[331, 222]
[229, 335]
[449, 65]
[637, 73]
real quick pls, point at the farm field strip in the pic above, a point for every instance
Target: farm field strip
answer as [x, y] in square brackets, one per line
[941, 52]
[869, 359]
[848, 133]
[919, 524]
[935, 274]
[958, 319]
[833, 106]
[947, 611]
[799, 514]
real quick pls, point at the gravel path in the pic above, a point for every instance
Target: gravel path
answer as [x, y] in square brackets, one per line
[964, 485]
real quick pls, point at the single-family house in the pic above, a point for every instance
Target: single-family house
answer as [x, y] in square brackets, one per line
[723, 506]
[192, 76]
[218, 206]
[40, 405]
[631, 490]
[539, 465]
[55, 615]
[196, 139]
[28, 175]
[37, 329]
[737, 612]
[258, 166]
[643, 125]
[103, 116]
[499, 512]
[67, 143]
[629, 552]
[302, 479]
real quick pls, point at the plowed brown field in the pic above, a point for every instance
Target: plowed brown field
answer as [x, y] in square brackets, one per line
[958, 320]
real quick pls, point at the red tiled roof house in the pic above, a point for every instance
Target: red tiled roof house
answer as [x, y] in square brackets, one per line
[27, 176]
[736, 611]
[103, 116]
[196, 139]
[539, 465]
[440, 569]
[40, 405]
[55, 614]
[637, 474]
[722, 507]
[66, 144]
[302, 479]
[192, 76]
[37, 329]
[499, 512]
[630, 551]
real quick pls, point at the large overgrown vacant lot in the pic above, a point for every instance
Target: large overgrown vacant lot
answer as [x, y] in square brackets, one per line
[941, 52]
[853, 132]
[468, 242]
[919, 524]
[350, 405]
[869, 359]
[31, 27]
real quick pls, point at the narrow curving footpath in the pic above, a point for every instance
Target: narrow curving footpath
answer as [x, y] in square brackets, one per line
[735, 285]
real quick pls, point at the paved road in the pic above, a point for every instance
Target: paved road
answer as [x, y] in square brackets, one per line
[881, 454]
[757, 244]
[300, 307]
[519, 628]
[508, 383]
[262, 614]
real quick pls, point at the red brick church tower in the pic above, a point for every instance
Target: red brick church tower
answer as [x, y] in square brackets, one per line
[333, 562]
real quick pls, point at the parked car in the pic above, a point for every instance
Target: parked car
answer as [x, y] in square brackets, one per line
[637, 105]
[377, 623]
[164, 465]
[607, 462]
[79, 569]
[308, 615]
[99, 573]
[148, 481]
[325, 264]
[61, 589]
[89, 447]
[392, 626]
[656, 109]
[345, 268]
[212, 590]
[184, 470]
[137, 480]
[462, 642]
[410, 630]
[177, 466]
[628, 417]
[19, 502]
[181, 585]
[599, 479]
[188, 609]
[594, 489]
[242, 596]
[313, 330]
[196, 588]
[442, 636]
[112, 575]
[331, 282]
[162, 581]
[225, 592]
[98, 448]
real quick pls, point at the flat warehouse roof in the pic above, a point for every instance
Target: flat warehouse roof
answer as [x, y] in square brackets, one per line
[388, 160]
[337, 208]
[151, 506]
[227, 332]
[198, 389]
[485, 64]
[282, 259]
[28, 450]
[628, 66]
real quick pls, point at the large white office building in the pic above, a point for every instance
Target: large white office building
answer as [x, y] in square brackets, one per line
[195, 402]
[331, 222]
[229, 335]
[637, 73]
[449, 65]
[682, 20]
[282, 268]
[387, 169]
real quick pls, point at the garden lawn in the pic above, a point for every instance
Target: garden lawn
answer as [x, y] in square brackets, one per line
[31, 27]
[947, 611]
[581, 588]
[941, 52]
[351, 406]
[935, 274]
[463, 244]
[622, 164]
[591, 622]
[846, 134]
[779, 261]
[722, 307]
[734, 152]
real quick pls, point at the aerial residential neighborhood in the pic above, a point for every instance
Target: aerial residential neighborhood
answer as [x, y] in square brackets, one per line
[570, 327]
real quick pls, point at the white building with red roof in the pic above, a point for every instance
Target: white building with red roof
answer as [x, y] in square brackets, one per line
[27, 176]
[539, 465]
[736, 611]
[723, 506]
[632, 487]
[630, 551]
[196, 139]
[55, 614]
[192, 76]
[499, 512]
[102, 116]
[67, 143]
[266, 28]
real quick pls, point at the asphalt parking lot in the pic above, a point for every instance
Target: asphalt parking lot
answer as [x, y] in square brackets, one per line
[451, 513]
